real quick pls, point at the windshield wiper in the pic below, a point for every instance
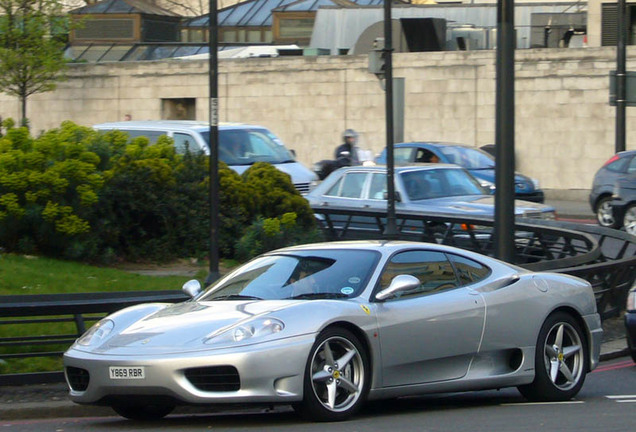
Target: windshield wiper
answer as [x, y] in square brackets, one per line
[235, 297]
[319, 296]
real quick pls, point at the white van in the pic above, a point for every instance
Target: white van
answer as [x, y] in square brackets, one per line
[240, 145]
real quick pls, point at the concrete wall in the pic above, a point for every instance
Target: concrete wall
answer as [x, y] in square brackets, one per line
[564, 124]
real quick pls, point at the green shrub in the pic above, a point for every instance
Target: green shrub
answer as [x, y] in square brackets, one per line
[272, 233]
[274, 194]
[80, 194]
[48, 189]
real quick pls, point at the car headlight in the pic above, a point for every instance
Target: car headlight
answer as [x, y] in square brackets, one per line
[631, 300]
[97, 333]
[549, 215]
[255, 329]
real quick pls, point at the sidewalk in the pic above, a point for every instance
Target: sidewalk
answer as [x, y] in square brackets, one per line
[577, 211]
[51, 400]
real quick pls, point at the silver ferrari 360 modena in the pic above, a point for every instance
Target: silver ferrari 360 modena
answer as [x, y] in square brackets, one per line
[325, 327]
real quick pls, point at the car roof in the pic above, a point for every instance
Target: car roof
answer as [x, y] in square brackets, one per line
[171, 124]
[402, 168]
[433, 144]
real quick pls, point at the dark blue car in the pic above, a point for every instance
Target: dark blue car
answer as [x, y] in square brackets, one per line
[479, 163]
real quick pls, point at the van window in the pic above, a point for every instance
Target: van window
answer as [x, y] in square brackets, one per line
[248, 146]
[183, 142]
[152, 136]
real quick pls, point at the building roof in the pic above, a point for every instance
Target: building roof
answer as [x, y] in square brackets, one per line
[258, 13]
[123, 7]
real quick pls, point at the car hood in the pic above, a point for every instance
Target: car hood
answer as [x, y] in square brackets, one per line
[187, 327]
[478, 205]
[522, 182]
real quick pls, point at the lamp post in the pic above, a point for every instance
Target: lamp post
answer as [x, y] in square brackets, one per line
[621, 77]
[505, 133]
[390, 230]
[213, 273]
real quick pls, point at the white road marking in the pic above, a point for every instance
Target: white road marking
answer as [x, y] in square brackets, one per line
[623, 398]
[543, 403]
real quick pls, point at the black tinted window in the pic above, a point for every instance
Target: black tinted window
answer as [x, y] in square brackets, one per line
[467, 270]
[432, 269]
[619, 165]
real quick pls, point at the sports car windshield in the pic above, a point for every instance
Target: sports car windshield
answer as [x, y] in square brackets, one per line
[468, 158]
[248, 146]
[308, 274]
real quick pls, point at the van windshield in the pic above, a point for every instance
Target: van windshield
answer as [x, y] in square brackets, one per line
[248, 146]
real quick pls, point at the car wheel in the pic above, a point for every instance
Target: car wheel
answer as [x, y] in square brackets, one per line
[560, 360]
[604, 213]
[336, 379]
[143, 412]
[629, 220]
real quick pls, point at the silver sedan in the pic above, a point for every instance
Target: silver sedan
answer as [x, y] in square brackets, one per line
[325, 327]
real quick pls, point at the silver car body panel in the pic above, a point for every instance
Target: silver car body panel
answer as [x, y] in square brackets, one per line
[467, 205]
[479, 336]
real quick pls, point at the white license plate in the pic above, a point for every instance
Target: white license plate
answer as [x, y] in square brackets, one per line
[127, 372]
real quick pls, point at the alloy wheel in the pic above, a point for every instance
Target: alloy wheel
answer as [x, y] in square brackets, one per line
[563, 355]
[337, 374]
[605, 214]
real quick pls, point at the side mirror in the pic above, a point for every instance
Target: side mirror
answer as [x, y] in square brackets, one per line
[400, 283]
[192, 288]
[293, 152]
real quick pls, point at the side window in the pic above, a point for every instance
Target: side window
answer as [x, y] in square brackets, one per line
[151, 135]
[403, 155]
[433, 270]
[185, 142]
[619, 165]
[632, 166]
[335, 189]
[353, 184]
[467, 270]
[377, 188]
[423, 155]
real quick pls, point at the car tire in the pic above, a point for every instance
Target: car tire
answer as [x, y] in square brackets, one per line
[146, 412]
[337, 377]
[605, 214]
[561, 360]
[629, 220]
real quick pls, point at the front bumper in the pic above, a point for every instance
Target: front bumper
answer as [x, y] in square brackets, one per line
[536, 196]
[268, 372]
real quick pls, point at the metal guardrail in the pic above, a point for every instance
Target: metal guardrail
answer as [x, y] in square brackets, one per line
[604, 257]
[24, 311]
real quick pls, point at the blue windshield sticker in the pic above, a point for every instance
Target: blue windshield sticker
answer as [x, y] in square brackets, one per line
[354, 280]
[347, 290]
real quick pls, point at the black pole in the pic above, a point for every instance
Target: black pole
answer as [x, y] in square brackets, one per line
[213, 274]
[390, 230]
[505, 133]
[621, 75]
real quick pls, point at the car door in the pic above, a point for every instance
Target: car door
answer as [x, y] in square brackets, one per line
[433, 332]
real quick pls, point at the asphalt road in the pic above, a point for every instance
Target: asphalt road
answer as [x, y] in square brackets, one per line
[607, 402]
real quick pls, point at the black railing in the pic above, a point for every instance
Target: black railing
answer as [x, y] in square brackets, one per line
[23, 312]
